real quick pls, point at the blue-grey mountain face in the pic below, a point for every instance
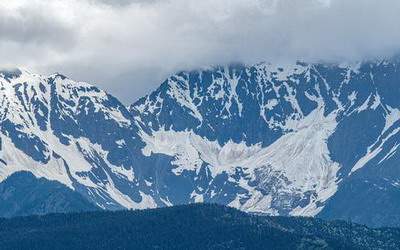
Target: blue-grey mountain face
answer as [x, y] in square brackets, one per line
[24, 194]
[301, 139]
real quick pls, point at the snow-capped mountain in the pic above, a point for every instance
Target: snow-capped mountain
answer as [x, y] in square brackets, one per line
[70, 132]
[298, 139]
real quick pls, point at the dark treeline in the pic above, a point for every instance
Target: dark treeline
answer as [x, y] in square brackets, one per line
[188, 227]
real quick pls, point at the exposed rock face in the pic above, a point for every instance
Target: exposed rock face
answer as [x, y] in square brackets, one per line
[301, 139]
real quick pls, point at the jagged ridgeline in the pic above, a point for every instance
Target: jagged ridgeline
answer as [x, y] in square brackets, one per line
[297, 139]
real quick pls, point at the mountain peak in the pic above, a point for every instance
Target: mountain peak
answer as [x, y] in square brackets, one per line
[10, 73]
[264, 138]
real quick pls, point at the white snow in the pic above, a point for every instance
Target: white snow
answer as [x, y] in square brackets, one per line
[372, 151]
[18, 161]
[271, 104]
[182, 96]
[364, 106]
[299, 159]
[390, 153]
[71, 163]
[392, 116]
[301, 156]
[377, 101]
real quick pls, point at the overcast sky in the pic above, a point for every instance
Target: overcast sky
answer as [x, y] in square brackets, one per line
[129, 46]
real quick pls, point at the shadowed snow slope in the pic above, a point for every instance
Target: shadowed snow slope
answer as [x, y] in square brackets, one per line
[300, 139]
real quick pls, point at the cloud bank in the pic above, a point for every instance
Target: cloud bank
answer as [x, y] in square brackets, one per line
[130, 46]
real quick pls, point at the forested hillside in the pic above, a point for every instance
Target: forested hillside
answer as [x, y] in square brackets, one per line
[188, 227]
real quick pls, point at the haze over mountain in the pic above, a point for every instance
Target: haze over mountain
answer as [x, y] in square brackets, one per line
[294, 139]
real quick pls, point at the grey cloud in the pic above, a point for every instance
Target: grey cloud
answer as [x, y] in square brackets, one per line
[30, 25]
[122, 3]
[129, 46]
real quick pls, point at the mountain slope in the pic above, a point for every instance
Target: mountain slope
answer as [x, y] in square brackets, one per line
[70, 132]
[281, 139]
[23, 194]
[188, 227]
[298, 139]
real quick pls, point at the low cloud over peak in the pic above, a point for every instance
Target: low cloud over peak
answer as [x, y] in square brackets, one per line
[129, 46]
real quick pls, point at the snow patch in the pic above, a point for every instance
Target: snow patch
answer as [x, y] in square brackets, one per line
[302, 156]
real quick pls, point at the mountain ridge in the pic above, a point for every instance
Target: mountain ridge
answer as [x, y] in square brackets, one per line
[280, 140]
